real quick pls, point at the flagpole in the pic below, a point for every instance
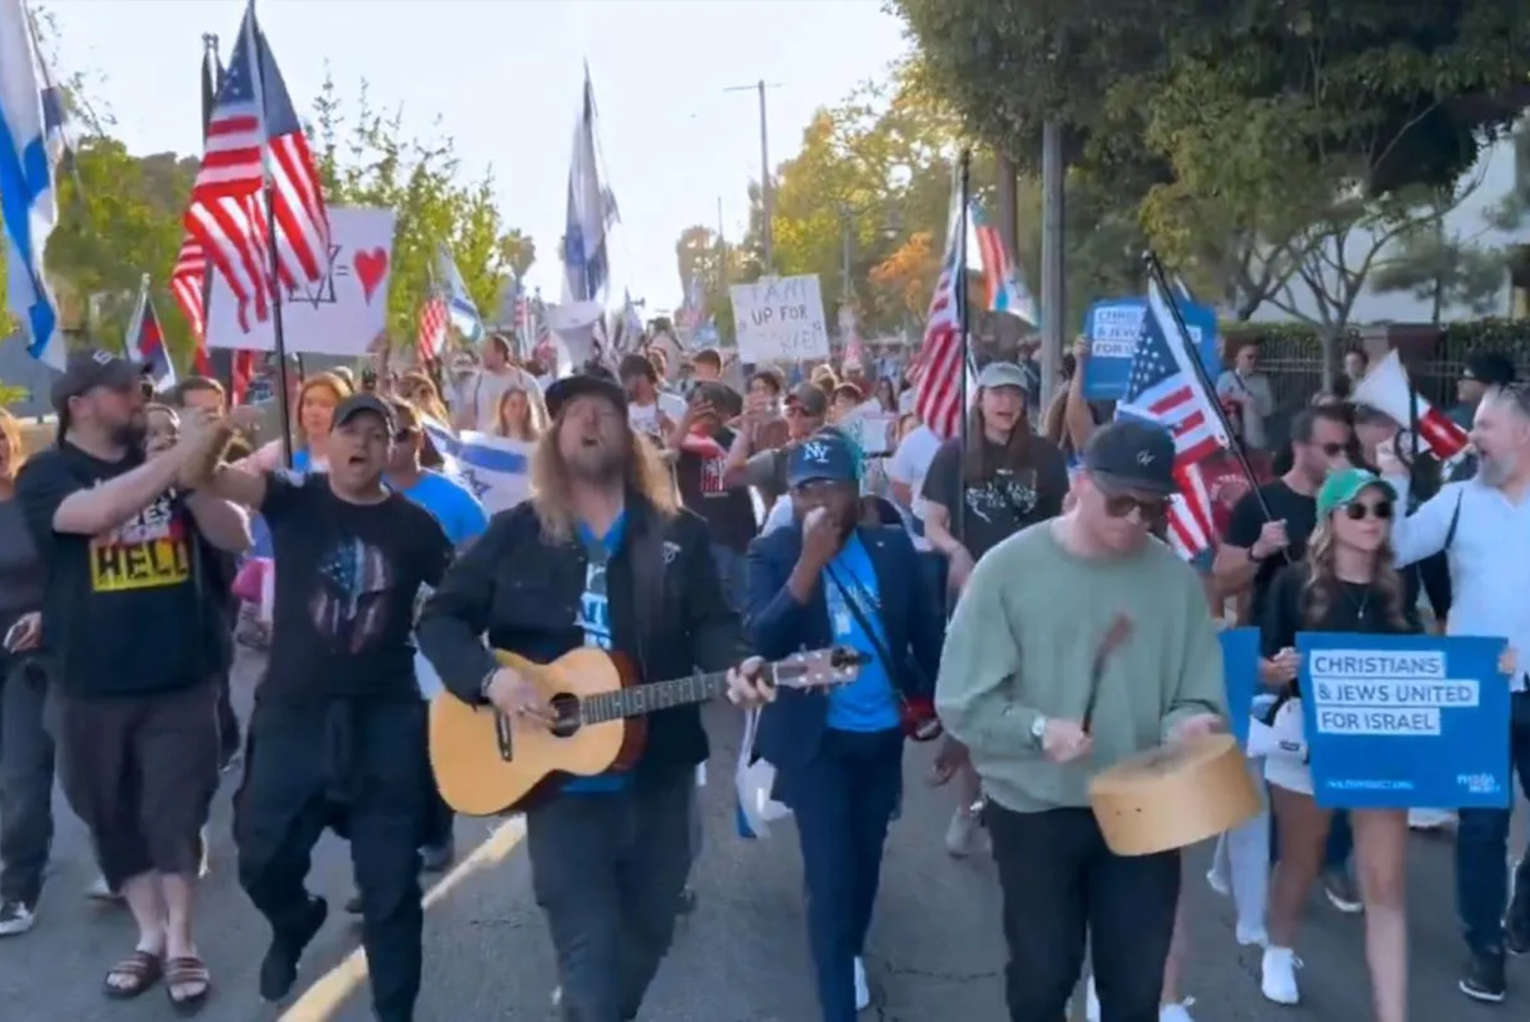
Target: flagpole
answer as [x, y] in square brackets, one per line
[212, 80]
[133, 324]
[258, 83]
[960, 296]
[1155, 272]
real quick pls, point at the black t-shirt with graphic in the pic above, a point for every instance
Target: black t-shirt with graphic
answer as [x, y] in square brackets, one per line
[729, 513]
[347, 576]
[124, 610]
[1008, 500]
[1300, 514]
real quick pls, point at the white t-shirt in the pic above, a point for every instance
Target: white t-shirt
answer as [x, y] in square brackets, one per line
[909, 464]
[645, 418]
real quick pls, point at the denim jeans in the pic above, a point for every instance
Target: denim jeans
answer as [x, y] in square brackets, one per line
[26, 778]
[1482, 850]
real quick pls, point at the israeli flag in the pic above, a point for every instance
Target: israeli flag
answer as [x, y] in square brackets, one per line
[459, 304]
[591, 213]
[27, 204]
[497, 469]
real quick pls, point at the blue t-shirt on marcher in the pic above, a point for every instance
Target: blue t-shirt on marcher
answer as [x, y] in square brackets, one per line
[868, 703]
[451, 504]
[595, 621]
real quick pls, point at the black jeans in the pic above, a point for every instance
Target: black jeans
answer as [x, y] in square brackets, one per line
[354, 767]
[26, 778]
[1482, 847]
[607, 869]
[1061, 885]
[843, 799]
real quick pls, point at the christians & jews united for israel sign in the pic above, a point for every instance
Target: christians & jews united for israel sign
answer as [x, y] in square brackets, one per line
[1404, 721]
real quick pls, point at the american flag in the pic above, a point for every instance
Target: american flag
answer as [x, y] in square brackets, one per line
[942, 356]
[1006, 291]
[432, 339]
[1164, 387]
[254, 130]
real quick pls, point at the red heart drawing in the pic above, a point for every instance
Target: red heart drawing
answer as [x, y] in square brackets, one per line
[371, 267]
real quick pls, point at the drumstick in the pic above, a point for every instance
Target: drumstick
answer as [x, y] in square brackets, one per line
[1119, 629]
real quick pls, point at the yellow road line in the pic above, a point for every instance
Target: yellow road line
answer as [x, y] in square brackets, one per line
[329, 991]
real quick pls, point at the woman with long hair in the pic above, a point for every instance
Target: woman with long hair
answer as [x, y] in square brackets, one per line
[518, 416]
[1345, 583]
[885, 395]
[420, 390]
[317, 397]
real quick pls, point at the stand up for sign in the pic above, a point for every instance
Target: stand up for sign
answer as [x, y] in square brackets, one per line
[780, 319]
[1404, 721]
[1113, 328]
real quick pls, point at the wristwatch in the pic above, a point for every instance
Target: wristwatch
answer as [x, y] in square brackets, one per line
[1039, 727]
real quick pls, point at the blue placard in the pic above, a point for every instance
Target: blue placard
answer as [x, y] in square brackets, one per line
[1113, 327]
[1404, 721]
[1240, 669]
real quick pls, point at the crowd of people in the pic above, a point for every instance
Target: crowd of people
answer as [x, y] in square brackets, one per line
[707, 517]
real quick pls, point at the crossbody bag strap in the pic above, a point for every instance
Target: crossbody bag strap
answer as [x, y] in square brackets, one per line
[895, 667]
[1455, 519]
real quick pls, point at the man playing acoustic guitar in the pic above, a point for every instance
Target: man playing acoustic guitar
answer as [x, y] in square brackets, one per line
[600, 556]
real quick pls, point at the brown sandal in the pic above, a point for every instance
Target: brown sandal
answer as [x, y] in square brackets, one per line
[144, 968]
[184, 970]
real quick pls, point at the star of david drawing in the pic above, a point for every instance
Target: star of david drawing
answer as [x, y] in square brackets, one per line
[470, 476]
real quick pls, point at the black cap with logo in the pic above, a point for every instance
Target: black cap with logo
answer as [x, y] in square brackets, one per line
[365, 402]
[88, 369]
[1130, 454]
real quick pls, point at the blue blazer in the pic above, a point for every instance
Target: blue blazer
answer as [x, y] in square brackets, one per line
[777, 625]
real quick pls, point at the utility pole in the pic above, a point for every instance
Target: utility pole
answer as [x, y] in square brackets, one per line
[1053, 291]
[722, 249]
[766, 196]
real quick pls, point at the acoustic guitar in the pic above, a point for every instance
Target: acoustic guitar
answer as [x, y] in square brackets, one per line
[487, 763]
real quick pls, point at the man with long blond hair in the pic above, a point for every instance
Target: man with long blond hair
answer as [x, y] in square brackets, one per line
[600, 556]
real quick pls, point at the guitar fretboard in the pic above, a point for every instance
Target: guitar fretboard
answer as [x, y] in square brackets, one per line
[636, 700]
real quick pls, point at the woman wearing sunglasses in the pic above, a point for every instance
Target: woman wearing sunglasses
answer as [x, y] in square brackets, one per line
[1344, 583]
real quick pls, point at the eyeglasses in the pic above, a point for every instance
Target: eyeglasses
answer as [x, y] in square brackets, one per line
[1357, 511]
[1151, 509]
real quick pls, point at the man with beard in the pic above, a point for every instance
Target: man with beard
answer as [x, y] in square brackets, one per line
[135, 708]
[338, 735]
[600, 556]
[1483, 525]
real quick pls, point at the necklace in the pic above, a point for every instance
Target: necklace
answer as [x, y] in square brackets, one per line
[1363, 602]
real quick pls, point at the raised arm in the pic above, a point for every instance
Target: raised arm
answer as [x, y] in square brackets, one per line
[93, 510]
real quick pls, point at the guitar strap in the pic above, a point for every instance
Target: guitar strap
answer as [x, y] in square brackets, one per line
[647, 576]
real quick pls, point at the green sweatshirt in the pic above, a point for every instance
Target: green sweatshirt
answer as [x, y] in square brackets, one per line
[1023, 642]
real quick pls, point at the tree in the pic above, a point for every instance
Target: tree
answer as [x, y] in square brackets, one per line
[1443, 267]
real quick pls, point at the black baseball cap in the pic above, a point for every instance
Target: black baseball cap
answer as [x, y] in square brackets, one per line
[1130, 454]
[561, 392]
[87, 369]
[365, 402]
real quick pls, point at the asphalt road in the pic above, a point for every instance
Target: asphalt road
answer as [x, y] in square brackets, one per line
[935, 950]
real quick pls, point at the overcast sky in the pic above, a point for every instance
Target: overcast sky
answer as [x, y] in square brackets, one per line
[503, 78]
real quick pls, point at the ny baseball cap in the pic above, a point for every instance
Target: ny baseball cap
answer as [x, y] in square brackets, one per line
[365, 402]
[1343, 486]
[824, 455]
[1130, 454]
[88, 369]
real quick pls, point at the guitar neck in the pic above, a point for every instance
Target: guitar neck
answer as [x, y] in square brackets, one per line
[636, 700]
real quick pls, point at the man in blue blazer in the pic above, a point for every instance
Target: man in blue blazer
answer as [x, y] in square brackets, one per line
[823, 581]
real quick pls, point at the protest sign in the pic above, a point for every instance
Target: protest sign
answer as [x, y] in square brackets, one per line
[870, 431]
[1112, 329]
[1240, 671]
[1398, 721]
[780, 319]
[340, 315]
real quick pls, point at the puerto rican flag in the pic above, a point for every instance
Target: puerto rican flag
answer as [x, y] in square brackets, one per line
[146, 343]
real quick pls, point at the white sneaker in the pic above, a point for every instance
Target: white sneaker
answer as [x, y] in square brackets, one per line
[99, 891]
[1430, 819]
[1278, 981]
[862, 991]
[1092, 1002]
[962, 836]
[557, 996]
[1219, 876]
[1176, 1012]
[16, 917]
[1249, 936]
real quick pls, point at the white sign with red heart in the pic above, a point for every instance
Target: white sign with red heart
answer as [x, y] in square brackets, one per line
[341, 314]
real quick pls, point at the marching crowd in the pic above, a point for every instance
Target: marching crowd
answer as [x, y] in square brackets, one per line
[702, 517]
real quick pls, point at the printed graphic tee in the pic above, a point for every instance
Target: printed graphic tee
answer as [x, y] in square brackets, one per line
[594, 621]
[123, 609]
[729, 512]
[347, 576]
[1009, 499]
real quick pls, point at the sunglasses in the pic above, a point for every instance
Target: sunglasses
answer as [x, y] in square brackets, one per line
[1152, 509]
[1358, 512]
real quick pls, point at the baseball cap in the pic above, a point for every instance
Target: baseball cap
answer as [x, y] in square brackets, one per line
[1001, 374]
[561, 392]
[1343, 486]
[1490, 367]
[811, 398]
[365, 402]
[88, 369]
[1132, 455]
[824, 455]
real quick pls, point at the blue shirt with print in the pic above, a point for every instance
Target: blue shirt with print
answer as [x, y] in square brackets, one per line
[868, 703]
[595, 621]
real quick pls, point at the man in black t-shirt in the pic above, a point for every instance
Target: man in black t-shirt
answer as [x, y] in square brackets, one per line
[136, 637]
[702, 443]
[338, 736]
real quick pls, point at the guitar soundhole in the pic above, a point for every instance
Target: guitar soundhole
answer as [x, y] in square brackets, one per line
[566, 706]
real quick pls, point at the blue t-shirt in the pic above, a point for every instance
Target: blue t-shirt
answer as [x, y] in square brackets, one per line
[868, 703]
[451, 504]
[595, 621]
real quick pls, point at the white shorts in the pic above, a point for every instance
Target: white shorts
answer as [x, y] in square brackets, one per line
[1286, 771]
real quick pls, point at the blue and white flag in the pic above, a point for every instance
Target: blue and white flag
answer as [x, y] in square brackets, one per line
[591, 212]
[497, 469]
[27, 203]
[460, 307]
